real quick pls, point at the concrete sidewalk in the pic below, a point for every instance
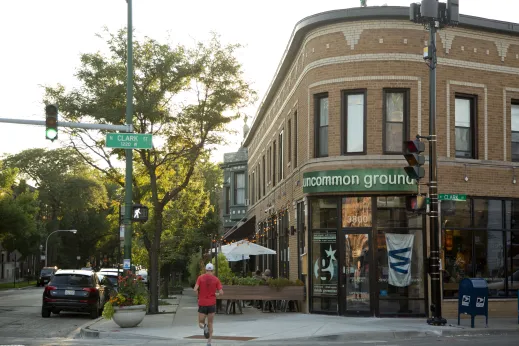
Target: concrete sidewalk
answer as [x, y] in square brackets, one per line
[180, 324]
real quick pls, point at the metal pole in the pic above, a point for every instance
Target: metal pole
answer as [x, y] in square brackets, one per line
[128, 200]
[91, 126]
[434, 260]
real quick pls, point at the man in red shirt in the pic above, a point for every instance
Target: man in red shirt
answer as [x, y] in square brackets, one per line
[208, 287]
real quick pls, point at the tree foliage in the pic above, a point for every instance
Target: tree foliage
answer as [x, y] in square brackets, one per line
[184, 97]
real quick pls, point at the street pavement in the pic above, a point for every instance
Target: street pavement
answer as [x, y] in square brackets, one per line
[257, 326]
[21, 324]
[501, 340]
[20, 315]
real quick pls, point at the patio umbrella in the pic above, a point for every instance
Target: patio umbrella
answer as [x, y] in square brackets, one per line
[231, 258]
[244, 247]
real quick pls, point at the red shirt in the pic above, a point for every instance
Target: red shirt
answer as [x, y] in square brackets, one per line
[208, 284]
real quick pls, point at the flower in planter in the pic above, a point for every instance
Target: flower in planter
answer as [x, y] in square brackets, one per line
[132, 291]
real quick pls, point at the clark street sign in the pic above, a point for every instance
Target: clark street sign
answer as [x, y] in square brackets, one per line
[452, 197]
[129, 140]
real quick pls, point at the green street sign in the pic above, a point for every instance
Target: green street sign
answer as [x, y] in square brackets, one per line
[129, 140]
[452, 197]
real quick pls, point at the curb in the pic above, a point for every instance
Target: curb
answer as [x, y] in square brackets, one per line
[87, 333]
[408, 334]
[78, 332]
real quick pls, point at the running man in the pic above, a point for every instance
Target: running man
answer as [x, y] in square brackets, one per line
[208, 287]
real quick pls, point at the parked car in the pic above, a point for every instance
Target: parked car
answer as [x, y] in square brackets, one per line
[143, 274]
[75, 290]
[111, 279]
[45, 275]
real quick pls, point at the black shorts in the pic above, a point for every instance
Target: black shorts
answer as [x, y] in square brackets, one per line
[206, 310]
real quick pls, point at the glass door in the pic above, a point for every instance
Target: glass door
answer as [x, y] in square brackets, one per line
[355, 278]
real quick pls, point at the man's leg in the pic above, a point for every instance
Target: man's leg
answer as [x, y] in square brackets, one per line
[202, 314]
[210, 319]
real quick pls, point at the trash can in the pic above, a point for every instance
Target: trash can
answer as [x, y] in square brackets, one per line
[473, 299]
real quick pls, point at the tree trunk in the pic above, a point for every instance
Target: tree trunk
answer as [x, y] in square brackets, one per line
[154, 264]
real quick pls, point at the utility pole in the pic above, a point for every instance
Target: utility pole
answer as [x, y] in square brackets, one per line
[128, 200]
[434, 15]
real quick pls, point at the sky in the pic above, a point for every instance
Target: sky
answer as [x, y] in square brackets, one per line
[43, 40]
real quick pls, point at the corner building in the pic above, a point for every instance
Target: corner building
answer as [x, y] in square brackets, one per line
[325, 167]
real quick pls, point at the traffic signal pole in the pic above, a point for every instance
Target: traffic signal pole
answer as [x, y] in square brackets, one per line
[434, 222]
[128, 200]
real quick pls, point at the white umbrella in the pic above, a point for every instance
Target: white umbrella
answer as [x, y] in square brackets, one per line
[236, 258]
[244, 247]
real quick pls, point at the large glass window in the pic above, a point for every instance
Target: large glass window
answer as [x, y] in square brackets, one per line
[395, 120]
[356, 212]
[295, 140]
[400, 258]
[324, 213]
[301, 235]
[477, 243]
[515, 132]
[355, 122]
[321, 128]
[239, 188]
[281, 157]
[465, 127]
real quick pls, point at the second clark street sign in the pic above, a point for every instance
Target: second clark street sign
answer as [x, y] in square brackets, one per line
[129, 140]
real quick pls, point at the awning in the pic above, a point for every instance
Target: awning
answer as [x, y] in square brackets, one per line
[245, 230]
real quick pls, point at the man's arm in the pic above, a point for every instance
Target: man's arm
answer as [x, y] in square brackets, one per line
[219, 290]
[197, 285]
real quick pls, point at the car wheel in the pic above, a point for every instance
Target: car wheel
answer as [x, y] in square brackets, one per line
[94, 313]
[45, 313]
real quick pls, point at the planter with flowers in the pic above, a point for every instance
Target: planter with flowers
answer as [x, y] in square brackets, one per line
[128, 306]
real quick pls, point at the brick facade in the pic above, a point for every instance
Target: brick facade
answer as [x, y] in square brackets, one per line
[374, 55]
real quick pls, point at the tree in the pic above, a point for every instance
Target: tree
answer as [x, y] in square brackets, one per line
[18, 210]
[70, 197]
[185, 97]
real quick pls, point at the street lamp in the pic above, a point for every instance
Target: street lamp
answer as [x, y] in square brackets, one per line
[47, 241]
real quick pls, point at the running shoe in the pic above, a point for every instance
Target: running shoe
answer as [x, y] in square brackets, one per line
[206, 332]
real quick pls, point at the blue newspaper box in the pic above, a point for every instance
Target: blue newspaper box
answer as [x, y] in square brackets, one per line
[473, 299]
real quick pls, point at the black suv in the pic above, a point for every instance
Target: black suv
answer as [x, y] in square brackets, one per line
[75, 290]
[45, 275]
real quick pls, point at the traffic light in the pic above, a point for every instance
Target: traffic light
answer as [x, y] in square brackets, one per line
[51, 122]
[412, 153]
[415, 203]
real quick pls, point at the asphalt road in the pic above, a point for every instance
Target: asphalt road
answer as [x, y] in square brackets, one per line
[501, 340]
[20, 316]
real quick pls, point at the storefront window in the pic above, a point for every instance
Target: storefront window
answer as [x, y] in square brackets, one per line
[400, 271]
[391, 212]
[324, 213]
[356, 212]
[456, 214]
[457, 261]
[324, 271]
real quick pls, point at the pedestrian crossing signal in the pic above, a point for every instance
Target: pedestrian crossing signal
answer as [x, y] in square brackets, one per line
[139, 213]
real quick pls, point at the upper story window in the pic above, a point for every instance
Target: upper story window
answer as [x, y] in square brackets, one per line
[289, 140]
[295, 139]
[396, 120]
[321, 125]
[354, 122]
[274, 172]
[281, 157]
[239, 188]
[465, 122]
[515, 132]
[263, 175]
[227, 200]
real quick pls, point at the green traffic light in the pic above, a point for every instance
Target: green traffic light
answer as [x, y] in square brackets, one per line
[51, 134]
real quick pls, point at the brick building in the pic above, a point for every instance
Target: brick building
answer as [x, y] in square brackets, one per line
[325, 168]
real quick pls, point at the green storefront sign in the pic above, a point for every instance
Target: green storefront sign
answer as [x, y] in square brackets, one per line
[359, 180]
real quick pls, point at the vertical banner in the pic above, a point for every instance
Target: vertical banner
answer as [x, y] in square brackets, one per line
[400, 253]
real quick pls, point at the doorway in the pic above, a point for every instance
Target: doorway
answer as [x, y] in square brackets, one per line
[356, 283]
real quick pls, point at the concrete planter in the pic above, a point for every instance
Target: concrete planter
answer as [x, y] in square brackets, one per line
[129, 316]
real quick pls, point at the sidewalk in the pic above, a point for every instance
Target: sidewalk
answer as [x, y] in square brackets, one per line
[181, 324]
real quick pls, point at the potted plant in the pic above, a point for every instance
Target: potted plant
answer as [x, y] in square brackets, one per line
[128, 306]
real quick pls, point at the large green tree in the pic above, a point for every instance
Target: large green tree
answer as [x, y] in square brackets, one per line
[18, 210]
[184, 97]
[70, 197]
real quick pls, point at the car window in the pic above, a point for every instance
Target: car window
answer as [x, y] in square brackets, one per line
[46, 272]
[72, 280]
[515, 277]
[113, 279]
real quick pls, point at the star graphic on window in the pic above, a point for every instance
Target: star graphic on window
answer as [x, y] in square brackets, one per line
[331, 253]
